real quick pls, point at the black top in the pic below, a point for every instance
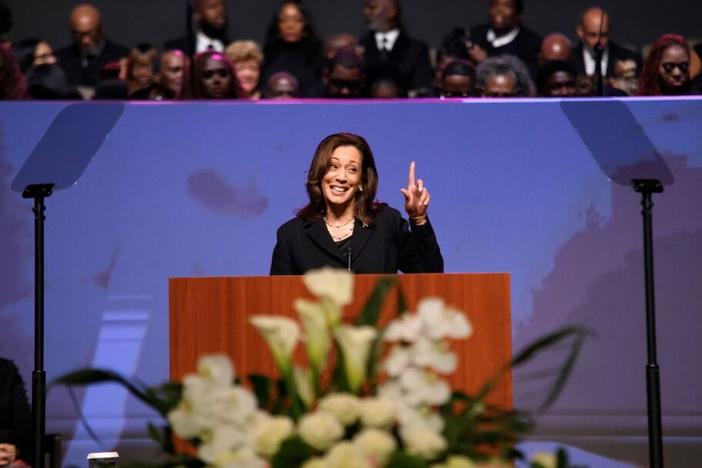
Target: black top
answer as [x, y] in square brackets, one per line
[15, 415]
[88, 74]
[614, 52]
[303, 60]
[525, 45]
[389, 245]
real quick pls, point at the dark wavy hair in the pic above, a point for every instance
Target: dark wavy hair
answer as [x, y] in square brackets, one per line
[649, 81]
[13, 85]
[366, 207]
[200, 61]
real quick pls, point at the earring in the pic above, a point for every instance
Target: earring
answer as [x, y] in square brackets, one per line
[360, 188]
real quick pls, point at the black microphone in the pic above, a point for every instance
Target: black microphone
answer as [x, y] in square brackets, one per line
[348, 258]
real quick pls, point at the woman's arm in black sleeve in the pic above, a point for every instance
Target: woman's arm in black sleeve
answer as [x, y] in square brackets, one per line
[420, 252]
[281, 264]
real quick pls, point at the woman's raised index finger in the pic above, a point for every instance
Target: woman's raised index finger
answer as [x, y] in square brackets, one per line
[410, 183]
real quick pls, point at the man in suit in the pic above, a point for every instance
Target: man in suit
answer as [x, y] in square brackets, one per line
[211, 20]
[91, 50]
[505, 34]
[387, 45]
[594, 26]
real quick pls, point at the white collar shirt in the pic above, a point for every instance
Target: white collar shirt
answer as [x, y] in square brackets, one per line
[503, 40]
[386, 40]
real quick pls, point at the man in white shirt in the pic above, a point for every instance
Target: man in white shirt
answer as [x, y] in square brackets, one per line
[211, 20]
[594, 27]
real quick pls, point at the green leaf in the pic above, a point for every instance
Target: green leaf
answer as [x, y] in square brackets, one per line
[86, 377]
[371, 310]
[293, 452]
[405, 460]
[261, 388]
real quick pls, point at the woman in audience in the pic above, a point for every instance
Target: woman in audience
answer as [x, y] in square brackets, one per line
[247, 59]
[13, 85]
[214, 77]
[292, 46]
[142, 63]
[666, 71]
[15, 416]
[344, 226]
[31, 52]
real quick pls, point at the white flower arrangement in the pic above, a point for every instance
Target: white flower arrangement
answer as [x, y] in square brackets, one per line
[387, 404]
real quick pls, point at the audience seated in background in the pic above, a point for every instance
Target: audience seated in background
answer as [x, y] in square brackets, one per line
[557, 78]
[503, 76]
[555, 46]
[48, 82]
[292, 46]
[345, 75]
[214, 77]
[457, 80]
[504, 34]
[30, 52]
[666, 71]
[625, 77]
[90, 51]
[211, 21]
[594, 24]
[141, 67]
[15, 416]
[337, 41]
[175, 73]
[247, 59]
[12, 82]
[387, 44]
[387, 83]
[5, 23]
[281, 86]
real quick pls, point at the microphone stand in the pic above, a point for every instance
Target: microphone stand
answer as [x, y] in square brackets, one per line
[38, 192]
[647, 187]
[598, 49]
[190, 36]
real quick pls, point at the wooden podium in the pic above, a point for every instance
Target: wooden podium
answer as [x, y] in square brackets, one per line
[210, 315]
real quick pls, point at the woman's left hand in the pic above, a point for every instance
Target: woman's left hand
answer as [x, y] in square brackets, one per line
[416, 198]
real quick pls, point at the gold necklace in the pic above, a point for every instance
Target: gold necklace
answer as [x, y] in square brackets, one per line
[338, 226]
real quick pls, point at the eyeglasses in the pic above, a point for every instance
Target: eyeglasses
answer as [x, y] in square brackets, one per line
[668, 67]
[220, 72]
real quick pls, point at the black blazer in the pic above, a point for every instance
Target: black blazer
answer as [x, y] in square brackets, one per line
[616, 52]
[386, 246]
[525, 45]
[409, 57]
[15, 415]
[69, 58]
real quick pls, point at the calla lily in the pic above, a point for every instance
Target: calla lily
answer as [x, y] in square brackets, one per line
[303, 383]
[315, 333]
[355, 344]
[329, 283]
[281, 335]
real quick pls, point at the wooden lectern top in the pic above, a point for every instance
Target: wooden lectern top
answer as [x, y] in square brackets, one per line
[209, 315]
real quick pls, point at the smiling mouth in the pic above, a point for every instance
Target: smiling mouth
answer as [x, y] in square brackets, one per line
[339, 190]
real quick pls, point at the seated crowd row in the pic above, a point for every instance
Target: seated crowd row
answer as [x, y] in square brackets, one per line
[502, 58]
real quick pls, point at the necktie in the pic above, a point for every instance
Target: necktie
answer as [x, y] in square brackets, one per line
[385, 48]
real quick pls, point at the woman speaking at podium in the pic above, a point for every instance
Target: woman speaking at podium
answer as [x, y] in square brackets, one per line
[343, 226]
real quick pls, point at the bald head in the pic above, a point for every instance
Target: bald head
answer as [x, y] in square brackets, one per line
[594, 24]
[86, 27]
[382, 15]
[555, 46]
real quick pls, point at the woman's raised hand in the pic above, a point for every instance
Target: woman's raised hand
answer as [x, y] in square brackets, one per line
[416, 198]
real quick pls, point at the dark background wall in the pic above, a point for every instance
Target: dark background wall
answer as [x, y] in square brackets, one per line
[130, 21]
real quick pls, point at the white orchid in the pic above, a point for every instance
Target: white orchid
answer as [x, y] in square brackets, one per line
[435, 355]
[220, 444]
[281, 334]
[216, 368]
[407, 328]
[440, 321]
[424, 388]
[315, 332]
[335, 285]
[355, 344]
[398, 360]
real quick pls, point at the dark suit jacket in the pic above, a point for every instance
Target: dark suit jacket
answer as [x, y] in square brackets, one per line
[409, 57]
[15, 415]
[69, 58]
[525, 45]
[386, 246]
[616, 52]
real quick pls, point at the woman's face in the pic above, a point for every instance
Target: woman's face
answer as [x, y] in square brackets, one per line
[216, 79]
[291, 23]
[674, 68]
[43, 54]
[248, 73]
[343, 177]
